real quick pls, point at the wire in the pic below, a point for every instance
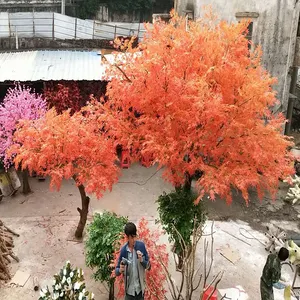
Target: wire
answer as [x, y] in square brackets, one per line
[249, 238]
[141, 184]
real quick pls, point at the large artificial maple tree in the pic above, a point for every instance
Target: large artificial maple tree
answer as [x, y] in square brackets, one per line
[196, 99]
[65, 146]
[20, 103]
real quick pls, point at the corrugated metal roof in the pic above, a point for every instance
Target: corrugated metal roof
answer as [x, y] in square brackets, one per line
[51, 65]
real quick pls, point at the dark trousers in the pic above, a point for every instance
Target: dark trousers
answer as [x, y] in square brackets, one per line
[140, 296]
[266, 292]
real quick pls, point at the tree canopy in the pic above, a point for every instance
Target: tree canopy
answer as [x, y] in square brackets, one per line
[63, 146]
[195, 98]
[20, 103]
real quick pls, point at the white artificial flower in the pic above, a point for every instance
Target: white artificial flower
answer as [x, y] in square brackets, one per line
[56, 296]
[83, 291]
[77, 285]
[42, 294]
[65, 272]
[61, 294]
[80, 296]
[71, 274]
[69, 280]
[54, 281]
[68, 262]
[92, 296]
[57, 287]
[63, 280]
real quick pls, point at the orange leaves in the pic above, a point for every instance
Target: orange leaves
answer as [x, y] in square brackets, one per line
[63, 146]
[200, 94]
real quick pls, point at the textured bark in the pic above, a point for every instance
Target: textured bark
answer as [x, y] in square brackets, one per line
[111, 291]
[26, 186]
[83, 211]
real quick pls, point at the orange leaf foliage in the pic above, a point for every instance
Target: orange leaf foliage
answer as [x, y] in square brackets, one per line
[63, 146]
[201, 94]
[156, 277]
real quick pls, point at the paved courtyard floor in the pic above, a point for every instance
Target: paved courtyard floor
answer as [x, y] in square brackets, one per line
[46, 221]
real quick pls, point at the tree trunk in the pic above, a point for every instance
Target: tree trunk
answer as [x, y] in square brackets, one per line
[83, 211]
[188, 182]
[26, 186]
[111, 290]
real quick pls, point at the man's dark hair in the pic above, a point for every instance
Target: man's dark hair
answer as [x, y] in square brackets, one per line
[130, 229]
[283, 254]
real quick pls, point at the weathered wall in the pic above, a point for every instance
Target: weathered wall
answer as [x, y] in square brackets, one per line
[42, 43]
[104, 15]
[36, 5]
[275, 29]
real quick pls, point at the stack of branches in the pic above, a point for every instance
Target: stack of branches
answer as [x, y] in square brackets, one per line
[276, 239]
[6, 253]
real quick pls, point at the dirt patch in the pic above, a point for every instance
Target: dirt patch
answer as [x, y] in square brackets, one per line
[258, 212]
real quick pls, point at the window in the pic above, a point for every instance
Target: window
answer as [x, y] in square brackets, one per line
[249, 34]
[253, 17]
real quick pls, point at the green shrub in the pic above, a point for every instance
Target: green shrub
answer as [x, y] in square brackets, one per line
[103, 233]
[177, 212]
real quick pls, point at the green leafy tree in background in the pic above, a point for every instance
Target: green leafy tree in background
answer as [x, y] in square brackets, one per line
[88, 8]
[179, 216]
[103, 233]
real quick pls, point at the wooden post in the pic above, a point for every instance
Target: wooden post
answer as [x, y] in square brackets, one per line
[33, 27]
[93, 30]
[17, 39]
[138, 34]
[63, 7]
[53, 26]
[75, 28]
[289, 114]
[9, 28]
[294, 80]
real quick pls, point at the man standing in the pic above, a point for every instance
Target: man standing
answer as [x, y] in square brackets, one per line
[272, 273]
[132, 262]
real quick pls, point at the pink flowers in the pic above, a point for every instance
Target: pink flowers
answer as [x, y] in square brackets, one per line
[20, 103]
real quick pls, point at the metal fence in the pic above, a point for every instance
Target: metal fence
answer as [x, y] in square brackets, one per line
[57, 26]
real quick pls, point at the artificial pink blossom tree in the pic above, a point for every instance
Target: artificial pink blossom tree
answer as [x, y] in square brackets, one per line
[20, 103]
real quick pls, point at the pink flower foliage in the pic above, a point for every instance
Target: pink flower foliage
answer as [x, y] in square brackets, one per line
[20, 103]
[156, 277]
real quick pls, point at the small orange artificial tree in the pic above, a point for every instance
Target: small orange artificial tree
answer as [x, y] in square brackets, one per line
[194, 96]
[63, 146]
[156, 277]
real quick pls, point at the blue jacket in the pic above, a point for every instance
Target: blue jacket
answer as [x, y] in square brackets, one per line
[142, 266]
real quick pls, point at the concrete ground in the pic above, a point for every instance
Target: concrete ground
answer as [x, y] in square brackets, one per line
[46, 221]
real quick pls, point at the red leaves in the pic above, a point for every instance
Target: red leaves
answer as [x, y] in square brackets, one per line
[200, 94]
[63, 96]
[63, 146]
[155, 278]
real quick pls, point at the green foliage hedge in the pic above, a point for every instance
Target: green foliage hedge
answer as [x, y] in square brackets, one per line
[177, 209]
[103, 233]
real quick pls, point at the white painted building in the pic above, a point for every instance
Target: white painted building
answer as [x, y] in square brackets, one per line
[275, 27]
